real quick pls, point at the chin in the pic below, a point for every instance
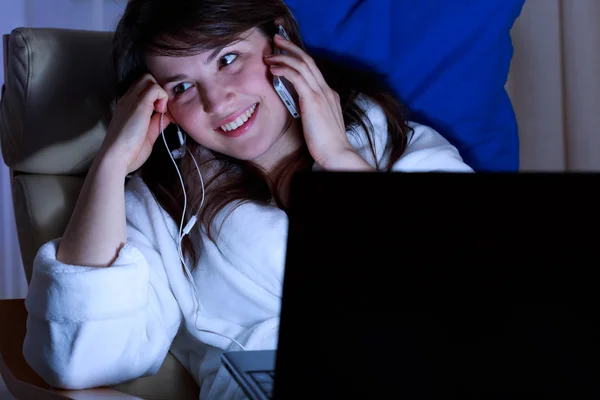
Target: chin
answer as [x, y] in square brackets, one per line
[254, 151]
[248, 155]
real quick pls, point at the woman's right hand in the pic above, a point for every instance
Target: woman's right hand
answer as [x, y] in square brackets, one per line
[135, 126]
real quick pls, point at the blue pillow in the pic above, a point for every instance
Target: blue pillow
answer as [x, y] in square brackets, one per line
[447, 60]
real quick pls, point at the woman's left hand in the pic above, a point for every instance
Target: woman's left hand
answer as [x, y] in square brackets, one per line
[320, 109]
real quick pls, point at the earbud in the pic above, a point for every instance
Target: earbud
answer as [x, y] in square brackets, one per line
[177, 154]
[180, 152]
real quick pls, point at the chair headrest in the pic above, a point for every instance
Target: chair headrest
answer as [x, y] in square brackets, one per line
[58, 99]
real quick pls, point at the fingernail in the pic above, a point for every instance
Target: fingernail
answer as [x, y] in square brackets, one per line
[277, 35]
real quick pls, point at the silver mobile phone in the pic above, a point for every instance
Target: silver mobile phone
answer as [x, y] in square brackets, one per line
[283, 87]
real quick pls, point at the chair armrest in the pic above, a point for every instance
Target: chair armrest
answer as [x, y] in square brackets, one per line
[22, 381]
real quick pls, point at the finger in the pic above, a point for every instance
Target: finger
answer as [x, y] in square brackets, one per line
[307, 95]
[160, 105]
[154, 128]
[305, 91]
[297, 79]
[296, 51]
[298, 55]
[153, 96]
[298, 65]
[139, 86]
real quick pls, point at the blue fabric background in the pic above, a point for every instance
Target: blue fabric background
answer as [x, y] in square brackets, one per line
[447, 60]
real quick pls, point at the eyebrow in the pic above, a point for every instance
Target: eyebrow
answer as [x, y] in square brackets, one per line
[182, 77]
[178, 77]
[219, 49]
[214, 54]
[211, 57]
[174, 78]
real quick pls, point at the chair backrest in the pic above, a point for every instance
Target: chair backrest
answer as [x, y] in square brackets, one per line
[57, 101]
[56, 105]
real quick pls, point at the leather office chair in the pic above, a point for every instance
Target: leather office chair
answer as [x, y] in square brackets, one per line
[56, 106]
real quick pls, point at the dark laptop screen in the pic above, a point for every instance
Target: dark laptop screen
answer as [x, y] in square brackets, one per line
[440, 284]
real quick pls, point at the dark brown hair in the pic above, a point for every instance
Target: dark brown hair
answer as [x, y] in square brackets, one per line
[189, 27]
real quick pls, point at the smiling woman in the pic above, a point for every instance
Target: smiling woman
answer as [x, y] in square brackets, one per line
[127, 282]
[213, 91]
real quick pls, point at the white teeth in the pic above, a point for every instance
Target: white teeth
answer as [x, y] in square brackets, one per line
[241, 120]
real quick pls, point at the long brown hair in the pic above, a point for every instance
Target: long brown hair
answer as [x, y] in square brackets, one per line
[189, 27]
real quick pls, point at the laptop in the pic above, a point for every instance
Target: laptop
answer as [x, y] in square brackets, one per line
[430, 285]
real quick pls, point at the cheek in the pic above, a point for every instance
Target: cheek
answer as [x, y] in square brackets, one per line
[188, 118]
[256, 78]
[177, 110]
[186, 108]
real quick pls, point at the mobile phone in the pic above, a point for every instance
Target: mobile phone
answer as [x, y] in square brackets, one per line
[283, 87]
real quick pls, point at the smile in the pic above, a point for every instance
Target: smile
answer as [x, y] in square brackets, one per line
[240, 121]
[241, 124]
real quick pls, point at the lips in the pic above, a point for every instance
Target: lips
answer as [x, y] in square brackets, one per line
[231, 118]
[241, 129]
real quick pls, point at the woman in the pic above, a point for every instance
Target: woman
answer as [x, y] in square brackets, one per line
[123, 286]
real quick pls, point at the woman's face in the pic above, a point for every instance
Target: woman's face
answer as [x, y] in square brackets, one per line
[227, 103]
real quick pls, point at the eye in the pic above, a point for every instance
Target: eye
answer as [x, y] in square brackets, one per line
[180, 88]
[227, 59]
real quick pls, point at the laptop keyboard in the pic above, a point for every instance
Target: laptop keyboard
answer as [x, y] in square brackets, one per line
[264, 379]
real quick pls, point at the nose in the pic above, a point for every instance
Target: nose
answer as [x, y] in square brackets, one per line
[215, 98]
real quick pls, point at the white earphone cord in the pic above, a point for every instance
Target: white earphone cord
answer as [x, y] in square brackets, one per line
[185, 230]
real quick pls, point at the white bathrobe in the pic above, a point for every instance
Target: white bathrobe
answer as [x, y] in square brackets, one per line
[90, 327]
